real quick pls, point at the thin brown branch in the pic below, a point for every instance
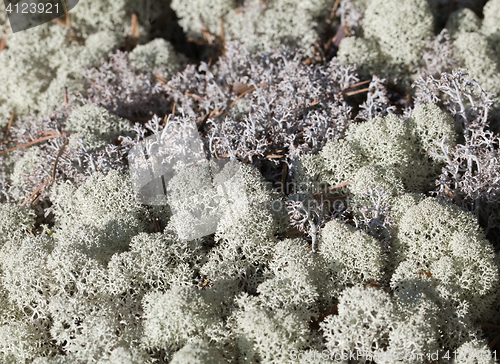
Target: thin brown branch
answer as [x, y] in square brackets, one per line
[284, 174]
[156, 224]
[358, 91]
[274, 156]
[355, 85]
[39, 140]
[65, 96]
[494, 342]
[330, 189]
[3, 42]
[250, 89]
[293, 232]
[215, 113]
[222, 36]
[61, 151]
[333, 198]
[51, 179]
[486, 325]
[36, 191]
[161, 79]
[134, 29]
[194, 96]
[334, 10]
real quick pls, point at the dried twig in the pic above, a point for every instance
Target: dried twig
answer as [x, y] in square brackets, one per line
[250, 89]
[3, 42]
[36, 191]
[358, 91]
[355, 85]
[39, 140]
[334, 10]
[51, 179]
[332, 188]
[61, 151]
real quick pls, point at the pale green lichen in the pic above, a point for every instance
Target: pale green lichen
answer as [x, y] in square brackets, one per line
[262, 27]
[201, 14]
[400, 29]
[178, 316]
[491, 25]
[448, 242]
[267, 336]
[96, 126]
[351, 256]
[156, 55]
[479, 58]
[432, 125]
[390, 142]
[106, 203]
[25, 165]
[15, 222]
[463, 21]
[362, 52]
[198, 352]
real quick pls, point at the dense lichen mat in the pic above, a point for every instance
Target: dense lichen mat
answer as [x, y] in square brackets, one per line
[251, 181]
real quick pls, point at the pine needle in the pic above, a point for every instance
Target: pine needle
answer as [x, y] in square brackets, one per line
[39, 140]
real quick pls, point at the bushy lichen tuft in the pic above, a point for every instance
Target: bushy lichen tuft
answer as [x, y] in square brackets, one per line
[463, 21]
[106, 203]
[400, 29]
[390, 142]
[448, 244]
[474, 50]
[96, 126]
[432, 125]
[15, 222]
[363, 52]
[198, 352]
[351, 256]
[178, 316]
[157, 54]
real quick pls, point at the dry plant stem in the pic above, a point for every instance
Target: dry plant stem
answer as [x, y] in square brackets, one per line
[330, 189]
[3, 42]
[134, 31]
[222, 36]
[494, 341]
[358, 91]
[334, 9]
[36, 191]
[32, 142]
[161, 79]
[59, 154]
[51, 179]
[355, 85]
[241, 95]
